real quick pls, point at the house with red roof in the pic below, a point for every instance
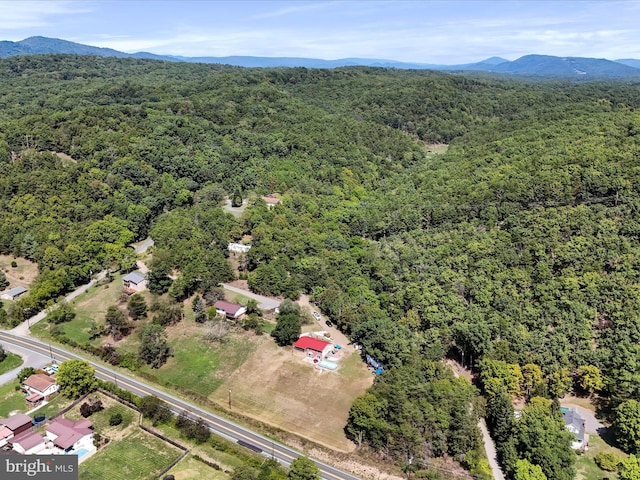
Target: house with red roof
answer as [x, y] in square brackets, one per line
[313, 346]
[271, 200]
[69, 435]
[27, 443]
[230, 310]
[39, 387]
[17, 423]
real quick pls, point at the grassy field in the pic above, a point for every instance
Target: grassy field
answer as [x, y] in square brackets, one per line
[138, 455]
[194, 365]
[10, 362]
[585, 465]
[191, 469]
[11, 400]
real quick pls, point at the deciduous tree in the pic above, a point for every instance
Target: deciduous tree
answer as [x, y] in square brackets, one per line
[154, 349]
[75, 378]
[304, 469]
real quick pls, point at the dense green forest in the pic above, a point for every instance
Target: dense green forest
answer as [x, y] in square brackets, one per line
[516, 252]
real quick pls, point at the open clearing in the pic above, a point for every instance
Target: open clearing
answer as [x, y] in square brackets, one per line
[276, 386]
[22, 275]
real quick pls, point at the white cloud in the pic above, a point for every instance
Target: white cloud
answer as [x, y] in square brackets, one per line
[17, 15]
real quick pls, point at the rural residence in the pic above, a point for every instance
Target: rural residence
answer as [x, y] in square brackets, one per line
[574, 423]
[272, 199]
[134, 282]
[230, 310]
[71, 436]
[313, 346]
[39, 387]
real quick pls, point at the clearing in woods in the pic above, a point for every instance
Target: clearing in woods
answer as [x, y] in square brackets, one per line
[23, 275]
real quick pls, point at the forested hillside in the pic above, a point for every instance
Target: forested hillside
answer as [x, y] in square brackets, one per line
[516, 252]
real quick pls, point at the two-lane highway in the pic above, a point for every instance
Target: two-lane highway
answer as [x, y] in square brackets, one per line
[218, 425]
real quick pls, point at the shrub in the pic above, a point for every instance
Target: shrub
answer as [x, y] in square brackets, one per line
[89, 408]
[115, 419]
[14, 264]
[607, 461]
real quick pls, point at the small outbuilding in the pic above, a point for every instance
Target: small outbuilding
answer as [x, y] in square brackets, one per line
[13, 293]
[235, 247]
[17, 423]
[313, 346]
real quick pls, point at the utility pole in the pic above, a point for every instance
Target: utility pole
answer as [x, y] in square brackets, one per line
[229, 399]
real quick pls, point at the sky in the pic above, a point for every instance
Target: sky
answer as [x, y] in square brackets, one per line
[420, 31]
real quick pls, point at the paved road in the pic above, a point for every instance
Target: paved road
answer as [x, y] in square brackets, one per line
[218, 425]
[29, 359]
[264, 303]
[143, 246]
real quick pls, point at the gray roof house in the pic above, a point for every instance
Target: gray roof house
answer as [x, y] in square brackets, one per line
[575, 424]
[134, 282]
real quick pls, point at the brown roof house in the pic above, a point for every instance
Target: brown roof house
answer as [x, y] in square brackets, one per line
[39, 387]
[28, 443]
[272, 199]
[230, 310]
[71, 436]
[12, 426]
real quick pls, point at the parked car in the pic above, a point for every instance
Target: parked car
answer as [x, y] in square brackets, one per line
[329, 323]
[316, 315]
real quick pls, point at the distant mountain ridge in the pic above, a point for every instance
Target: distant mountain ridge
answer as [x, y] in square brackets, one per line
[541, 65]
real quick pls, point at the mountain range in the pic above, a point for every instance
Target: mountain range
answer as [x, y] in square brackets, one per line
[537, 65]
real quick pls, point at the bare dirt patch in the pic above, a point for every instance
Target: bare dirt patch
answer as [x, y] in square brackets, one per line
[277, 387]
[22, 275]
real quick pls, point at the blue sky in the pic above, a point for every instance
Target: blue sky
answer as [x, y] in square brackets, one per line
[423, 31]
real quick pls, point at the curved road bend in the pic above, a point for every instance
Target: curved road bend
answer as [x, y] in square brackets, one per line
[218, 425]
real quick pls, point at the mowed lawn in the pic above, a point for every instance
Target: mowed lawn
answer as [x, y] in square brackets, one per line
[10, 362]
[586, 466]
[11, 400]
[191, 469]
[198, 365]
[137, 456]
